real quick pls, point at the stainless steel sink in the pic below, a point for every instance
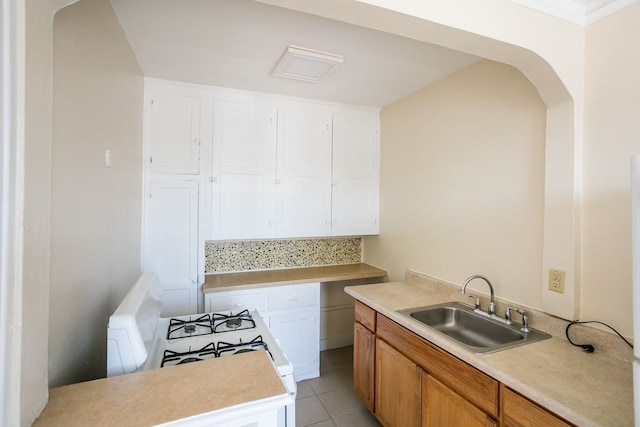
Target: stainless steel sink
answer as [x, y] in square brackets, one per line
[475, 332]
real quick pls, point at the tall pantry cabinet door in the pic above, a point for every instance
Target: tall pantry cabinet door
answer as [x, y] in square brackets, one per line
[170, 242]
[356, 175]
[173, 133]
[303, 193]
[244, 169]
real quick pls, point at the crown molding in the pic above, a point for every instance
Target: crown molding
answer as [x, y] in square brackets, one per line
[581, 12]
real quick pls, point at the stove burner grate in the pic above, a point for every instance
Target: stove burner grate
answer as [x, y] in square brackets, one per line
[232, 322]
[179, 328]
[189, 360]
[189, 356]
[243, 347]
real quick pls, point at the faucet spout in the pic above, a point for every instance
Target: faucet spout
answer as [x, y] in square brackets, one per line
[492, 305]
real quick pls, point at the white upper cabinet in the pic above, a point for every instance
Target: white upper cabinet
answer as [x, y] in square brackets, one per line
[266, 166]
[173, 133]
[355, 175]
[243, 170]
[303, 190]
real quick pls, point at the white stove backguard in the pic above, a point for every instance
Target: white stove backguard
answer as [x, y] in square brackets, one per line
[132, 326]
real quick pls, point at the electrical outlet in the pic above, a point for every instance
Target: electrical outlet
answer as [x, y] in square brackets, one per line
[556, 280]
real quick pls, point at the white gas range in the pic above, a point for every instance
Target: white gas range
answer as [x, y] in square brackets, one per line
[139, 339]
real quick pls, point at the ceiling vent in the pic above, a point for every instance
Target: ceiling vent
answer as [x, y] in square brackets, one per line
[301, 63]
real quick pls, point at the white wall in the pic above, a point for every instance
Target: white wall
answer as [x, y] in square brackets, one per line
[462, 182]
[95, 209]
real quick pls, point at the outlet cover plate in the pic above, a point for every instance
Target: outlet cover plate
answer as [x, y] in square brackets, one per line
[556, 280]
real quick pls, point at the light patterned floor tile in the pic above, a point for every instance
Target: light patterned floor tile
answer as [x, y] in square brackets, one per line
[340, 402]
[328, 423]
[362, 418]
[304, 389]
[310, 411]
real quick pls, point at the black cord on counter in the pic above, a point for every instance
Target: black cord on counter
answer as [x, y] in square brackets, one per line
[588, 347]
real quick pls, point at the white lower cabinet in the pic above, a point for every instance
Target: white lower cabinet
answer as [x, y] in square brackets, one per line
[293, 315]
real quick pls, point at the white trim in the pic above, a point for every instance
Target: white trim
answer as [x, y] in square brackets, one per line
[581, 12]
[11, 192]
[606, 10]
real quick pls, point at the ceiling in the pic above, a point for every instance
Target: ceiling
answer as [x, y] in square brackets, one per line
[236, 43]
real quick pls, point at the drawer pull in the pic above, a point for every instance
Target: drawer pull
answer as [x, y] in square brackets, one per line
[239, 305]
[293, 298]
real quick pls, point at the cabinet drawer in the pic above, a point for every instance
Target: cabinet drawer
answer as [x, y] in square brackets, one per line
[293, 297]
[233, 301]
[365, 315]
[518, 411]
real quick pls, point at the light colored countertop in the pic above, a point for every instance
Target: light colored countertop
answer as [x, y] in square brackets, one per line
[588, 389]
[290, 276]
[162, 395]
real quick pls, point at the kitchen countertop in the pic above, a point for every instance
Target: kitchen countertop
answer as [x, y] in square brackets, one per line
[162, 395]
[588, 389]
[290, 276]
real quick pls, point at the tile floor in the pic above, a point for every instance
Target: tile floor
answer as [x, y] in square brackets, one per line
[329, 401]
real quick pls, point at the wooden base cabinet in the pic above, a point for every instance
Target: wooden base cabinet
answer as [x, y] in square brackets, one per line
[406, 381]
[397, 388]
[364, 348]
[407, 395]
[518, 411]
[441, 406]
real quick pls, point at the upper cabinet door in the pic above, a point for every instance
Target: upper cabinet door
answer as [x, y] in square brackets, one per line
[173, 133]
[356, 175]
[244, 169]
[303, 191]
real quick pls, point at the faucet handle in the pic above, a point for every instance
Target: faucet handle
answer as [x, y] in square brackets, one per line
[477, 302]
[525, 317]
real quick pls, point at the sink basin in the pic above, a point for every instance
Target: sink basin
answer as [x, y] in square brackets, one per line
[475, 332]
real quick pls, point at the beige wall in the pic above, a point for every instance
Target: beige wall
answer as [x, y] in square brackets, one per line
[502, 31]
[612, 136]
[32, 297]
[462, 182]
[95, 210]
[550, 52]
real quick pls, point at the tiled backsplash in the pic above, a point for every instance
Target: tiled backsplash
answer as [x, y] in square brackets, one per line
[227, 256]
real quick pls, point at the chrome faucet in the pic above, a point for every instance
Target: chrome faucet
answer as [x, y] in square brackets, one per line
[492, 306]
[521, 312]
